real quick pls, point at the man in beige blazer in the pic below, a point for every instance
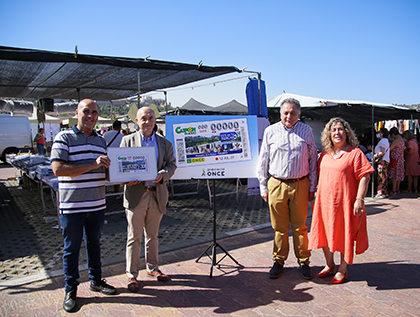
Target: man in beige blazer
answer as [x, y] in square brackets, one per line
[145, 201]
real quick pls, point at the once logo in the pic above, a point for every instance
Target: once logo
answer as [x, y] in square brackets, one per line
[215, 173]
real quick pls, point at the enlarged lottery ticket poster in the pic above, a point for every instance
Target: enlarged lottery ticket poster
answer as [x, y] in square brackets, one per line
[128, 164]
[213, 146]
[212, 142]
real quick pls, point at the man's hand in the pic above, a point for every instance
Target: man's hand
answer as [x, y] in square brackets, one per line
[103, 161]
[132, 183]
[158, 178]
[311, 196]
[265, 196]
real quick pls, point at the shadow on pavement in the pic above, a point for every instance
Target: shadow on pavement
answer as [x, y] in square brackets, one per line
[379, 207]
[387, 275]
[224, 294]
[242, 289]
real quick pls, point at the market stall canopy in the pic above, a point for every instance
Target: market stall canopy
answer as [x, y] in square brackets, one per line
[28, 73]
[65, 107]
[19, 108]
[233, 106]
[194, 107]
[357, 113]
[6, 105]
[22, 108]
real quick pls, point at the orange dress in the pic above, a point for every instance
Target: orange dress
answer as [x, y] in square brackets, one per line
[333, 222]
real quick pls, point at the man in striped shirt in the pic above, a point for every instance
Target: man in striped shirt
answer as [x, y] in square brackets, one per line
[79, 161]
[287, 168]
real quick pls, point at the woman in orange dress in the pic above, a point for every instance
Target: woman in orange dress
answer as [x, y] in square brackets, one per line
[339, 214]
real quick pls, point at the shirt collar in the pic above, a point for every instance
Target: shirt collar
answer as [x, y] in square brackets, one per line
[292, 128]
[77, 131]
[151, 139]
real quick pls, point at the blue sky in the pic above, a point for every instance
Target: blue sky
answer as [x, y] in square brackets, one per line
[359, 50]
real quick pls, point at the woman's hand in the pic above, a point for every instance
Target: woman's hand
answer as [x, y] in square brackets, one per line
[359, 207]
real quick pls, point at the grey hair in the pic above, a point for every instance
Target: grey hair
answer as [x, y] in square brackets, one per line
[292, 101]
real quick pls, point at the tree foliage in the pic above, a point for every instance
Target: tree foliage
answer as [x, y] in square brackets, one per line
[110, 110]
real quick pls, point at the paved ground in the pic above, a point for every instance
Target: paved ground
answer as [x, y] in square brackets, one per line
[384, 281]
[32, 244]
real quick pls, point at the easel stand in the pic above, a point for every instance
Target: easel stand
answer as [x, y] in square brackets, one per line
[214, 245]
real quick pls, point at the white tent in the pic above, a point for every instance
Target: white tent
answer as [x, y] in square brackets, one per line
[360, 114]
[48, 119]
[320, 102]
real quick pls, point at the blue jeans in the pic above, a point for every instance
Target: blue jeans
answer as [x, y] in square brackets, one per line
[75, 226]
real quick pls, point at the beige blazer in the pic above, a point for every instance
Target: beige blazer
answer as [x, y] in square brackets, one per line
[166, 166]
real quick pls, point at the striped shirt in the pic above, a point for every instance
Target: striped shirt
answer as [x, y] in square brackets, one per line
[287, 153]
[85, 192]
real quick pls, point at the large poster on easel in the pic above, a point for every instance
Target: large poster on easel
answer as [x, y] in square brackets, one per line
[214, 146]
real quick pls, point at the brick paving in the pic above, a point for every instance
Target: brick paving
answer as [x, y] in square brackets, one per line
[384, 281]
[39, 250]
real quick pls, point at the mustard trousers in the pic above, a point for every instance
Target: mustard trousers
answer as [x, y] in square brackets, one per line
[288, 204]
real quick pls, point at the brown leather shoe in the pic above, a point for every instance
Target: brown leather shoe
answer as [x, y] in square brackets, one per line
[158, 275]
[133, 285]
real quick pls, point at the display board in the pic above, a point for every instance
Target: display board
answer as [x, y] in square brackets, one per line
[207, 147]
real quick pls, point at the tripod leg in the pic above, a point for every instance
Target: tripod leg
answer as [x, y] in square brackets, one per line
[214, 245]
[227, 253]
[213, 258]
[202, 254]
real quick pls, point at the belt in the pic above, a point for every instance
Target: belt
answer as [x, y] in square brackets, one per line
[150, 188]
[290, 180]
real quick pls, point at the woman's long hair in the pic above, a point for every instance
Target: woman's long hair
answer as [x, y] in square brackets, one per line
[326, 134]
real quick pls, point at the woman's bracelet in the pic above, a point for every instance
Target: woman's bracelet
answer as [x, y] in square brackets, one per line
[360, 199]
